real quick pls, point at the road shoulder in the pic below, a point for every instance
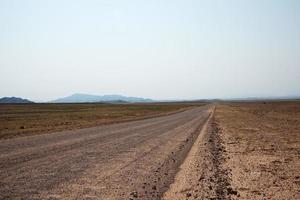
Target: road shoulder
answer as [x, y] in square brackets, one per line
[202, 174]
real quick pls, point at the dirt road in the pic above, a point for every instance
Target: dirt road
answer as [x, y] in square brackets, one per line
[133, 160]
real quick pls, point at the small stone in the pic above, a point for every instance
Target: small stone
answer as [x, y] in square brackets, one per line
[134, 194]
[231, 191]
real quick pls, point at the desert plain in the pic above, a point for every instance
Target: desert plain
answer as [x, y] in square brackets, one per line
[216, 150]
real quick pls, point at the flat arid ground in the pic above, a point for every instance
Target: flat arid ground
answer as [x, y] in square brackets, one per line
[29, 119]
[247, 151]
[213, 151]
[262, 148]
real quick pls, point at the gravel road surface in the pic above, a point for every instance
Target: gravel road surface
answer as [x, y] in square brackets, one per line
[133, 160]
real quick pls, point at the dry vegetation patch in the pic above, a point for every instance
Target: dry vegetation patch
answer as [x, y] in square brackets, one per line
[29, 119]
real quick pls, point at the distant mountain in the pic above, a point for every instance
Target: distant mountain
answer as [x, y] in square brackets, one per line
[14, 100]
[81, 98]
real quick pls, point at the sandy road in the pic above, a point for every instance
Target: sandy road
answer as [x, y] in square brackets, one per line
[133, 160]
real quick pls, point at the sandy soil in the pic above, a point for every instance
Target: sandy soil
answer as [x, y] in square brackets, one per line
[133, 160]
[245, 151]
[262, 141]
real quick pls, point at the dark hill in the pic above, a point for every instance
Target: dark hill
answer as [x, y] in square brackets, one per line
[14, 100]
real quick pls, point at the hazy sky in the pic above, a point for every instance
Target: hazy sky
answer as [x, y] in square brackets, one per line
[156, 49]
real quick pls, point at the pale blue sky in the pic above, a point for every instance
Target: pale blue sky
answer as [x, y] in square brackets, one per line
[156, 49]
